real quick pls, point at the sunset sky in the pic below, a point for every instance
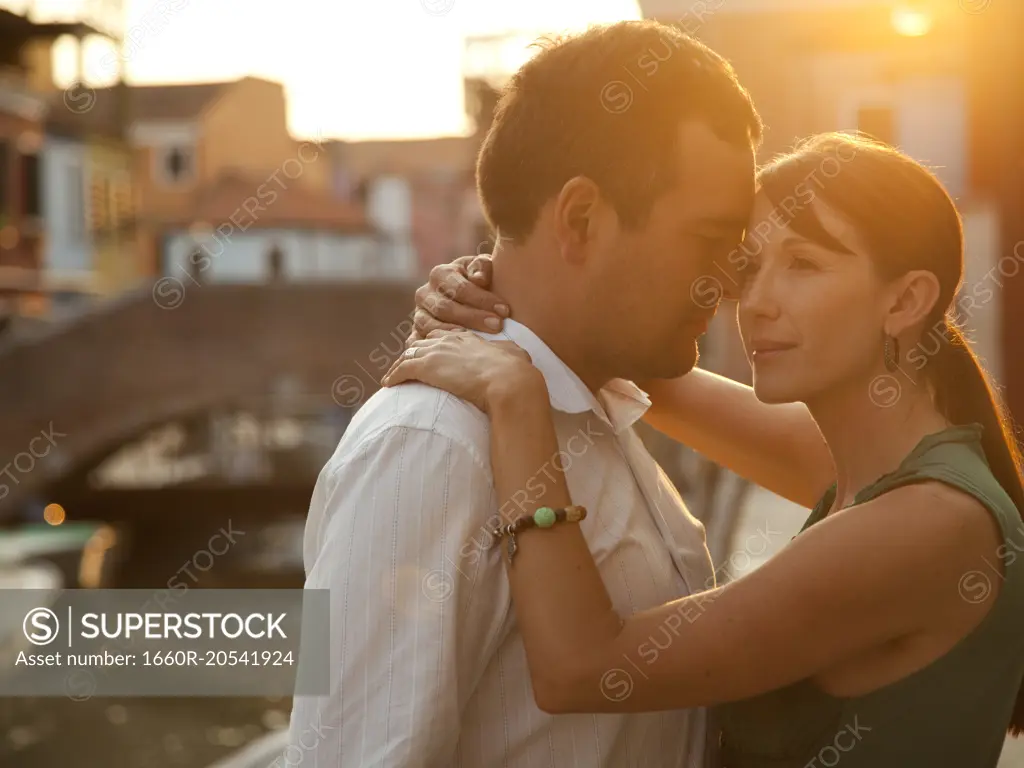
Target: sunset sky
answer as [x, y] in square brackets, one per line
[373, 68]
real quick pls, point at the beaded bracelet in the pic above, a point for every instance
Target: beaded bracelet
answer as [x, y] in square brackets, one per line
[545, 517]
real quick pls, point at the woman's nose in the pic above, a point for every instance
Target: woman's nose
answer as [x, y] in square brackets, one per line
[760, 296]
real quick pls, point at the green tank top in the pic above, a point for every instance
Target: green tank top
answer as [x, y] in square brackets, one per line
[952, 713]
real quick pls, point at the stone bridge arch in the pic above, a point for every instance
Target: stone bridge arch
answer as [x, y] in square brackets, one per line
[74, 392]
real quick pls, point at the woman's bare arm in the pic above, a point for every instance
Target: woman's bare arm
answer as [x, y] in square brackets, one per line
[811, 607]
[776, 446]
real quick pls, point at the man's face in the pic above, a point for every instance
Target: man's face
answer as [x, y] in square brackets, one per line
[654, 289]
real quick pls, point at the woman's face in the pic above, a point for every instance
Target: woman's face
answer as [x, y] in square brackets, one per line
[811, 318]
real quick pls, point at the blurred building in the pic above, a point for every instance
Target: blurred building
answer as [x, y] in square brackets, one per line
[22, 116]
[420, 194]
[106, 188]
[88, 200]
[226, 193]
[943, 81]
[32, 237]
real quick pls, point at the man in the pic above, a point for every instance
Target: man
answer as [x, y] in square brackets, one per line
[610, 202]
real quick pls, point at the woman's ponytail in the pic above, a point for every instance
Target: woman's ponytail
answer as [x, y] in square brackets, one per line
[964, 394]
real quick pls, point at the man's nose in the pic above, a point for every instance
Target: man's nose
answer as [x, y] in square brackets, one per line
[736, 271]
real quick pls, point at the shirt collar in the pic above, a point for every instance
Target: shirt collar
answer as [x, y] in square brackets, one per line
[624, 403]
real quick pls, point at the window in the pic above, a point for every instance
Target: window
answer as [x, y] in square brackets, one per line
[75, 200]
[110, 222]
[389, 205]
[31, 202]
[5, 199]
[176, 164]
[99, 204]
[122, 206]
[878, 123]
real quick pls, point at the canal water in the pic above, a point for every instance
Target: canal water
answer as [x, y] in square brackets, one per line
[137, 732]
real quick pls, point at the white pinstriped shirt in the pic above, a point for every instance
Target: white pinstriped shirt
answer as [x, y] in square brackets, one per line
[428, 666]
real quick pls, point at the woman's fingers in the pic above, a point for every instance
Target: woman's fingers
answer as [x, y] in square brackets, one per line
[452, 298]
[409, 361]
[412, 351]
[455, 284]
[444, 333]
[444, 275]
[423, 323]
[402, 370]
[462, 307]
[480, 270]
[460, 362]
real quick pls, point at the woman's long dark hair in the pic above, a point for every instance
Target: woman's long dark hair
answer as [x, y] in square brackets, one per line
[909, 222]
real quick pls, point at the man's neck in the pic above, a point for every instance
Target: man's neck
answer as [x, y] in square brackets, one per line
[522, 277]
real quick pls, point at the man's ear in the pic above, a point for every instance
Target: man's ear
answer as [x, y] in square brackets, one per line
[575, 216]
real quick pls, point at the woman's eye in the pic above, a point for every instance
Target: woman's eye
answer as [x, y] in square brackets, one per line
[799, 262]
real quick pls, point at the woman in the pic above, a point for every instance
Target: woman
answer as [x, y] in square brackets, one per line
[889, 632]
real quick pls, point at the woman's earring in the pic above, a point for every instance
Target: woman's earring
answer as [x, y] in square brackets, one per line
[892, 353]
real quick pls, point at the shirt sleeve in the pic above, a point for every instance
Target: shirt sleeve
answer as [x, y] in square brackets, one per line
[418, 601]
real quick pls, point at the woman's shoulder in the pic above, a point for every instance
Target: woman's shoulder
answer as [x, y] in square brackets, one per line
[927, 532]
[939, 512]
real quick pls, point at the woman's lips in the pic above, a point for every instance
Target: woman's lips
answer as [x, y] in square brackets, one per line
[768, 354]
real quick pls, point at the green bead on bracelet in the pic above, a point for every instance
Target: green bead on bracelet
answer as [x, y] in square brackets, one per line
[544, 517]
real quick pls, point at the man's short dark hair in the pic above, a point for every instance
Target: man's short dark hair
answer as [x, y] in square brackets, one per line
[605, 104]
